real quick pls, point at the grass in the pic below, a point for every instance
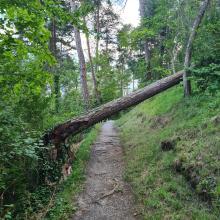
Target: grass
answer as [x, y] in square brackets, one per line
[64, 206]
[183, 183]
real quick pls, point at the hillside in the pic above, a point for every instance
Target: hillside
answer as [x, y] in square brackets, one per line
[74, 79]
[172, 154]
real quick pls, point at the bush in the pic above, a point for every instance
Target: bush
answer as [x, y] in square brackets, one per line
[207, 78]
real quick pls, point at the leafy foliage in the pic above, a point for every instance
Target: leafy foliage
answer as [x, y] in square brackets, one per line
[40, 80]
[208, 78]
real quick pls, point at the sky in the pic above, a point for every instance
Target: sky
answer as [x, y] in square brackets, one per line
[130, 14]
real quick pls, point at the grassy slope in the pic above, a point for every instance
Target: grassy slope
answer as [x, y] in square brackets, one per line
[163, 192]
[63, 205]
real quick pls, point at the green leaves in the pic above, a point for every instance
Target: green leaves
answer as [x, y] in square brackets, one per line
[141, 34]
[207, 78]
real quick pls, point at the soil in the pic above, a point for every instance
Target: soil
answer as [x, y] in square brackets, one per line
[106, 195]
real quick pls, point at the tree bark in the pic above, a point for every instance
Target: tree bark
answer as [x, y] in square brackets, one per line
[82, 62]
[97, 35]
[174, 53]
[56, 77]
[147, 56]
[57, 91]
[95, 84]
[146, 11]
[188, 53]
[76, 125]
[146, 8]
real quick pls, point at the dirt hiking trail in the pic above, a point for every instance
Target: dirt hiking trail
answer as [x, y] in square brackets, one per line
[105, 196]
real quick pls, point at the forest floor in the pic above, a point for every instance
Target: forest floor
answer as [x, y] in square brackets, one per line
[105, 194]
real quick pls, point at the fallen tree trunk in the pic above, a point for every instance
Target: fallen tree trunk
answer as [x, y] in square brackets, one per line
[76, 125]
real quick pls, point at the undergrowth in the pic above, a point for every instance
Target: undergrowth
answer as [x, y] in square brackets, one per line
[63, 203]
[184, 182]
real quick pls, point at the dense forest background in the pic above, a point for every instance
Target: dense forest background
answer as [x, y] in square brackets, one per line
[58, 59]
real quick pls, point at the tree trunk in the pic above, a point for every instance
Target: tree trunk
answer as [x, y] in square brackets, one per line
[56, 77]
[146, 8]
[95, 84]
[121, 80]
[147, 56]
[97, 36]
[174, 54]
[82, 62]
[188, 53]
[145, 12]
[76, 125]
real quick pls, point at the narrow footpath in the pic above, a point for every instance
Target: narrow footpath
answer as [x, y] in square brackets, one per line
[105, 196]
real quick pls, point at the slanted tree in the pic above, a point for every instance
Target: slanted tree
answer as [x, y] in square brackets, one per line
[76, 125]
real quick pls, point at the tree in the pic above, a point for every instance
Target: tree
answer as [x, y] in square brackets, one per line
[97, 31]
[57, 135]
[95, 84]
[124, 55]
[82, 62]
[56, 77]
[146, 12]
[105, 27]
[188, 53]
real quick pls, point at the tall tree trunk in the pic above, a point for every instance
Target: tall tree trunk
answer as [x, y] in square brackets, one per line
[83, 74]
[95, 84]
[82, 62]
[97, 35]
[147, 56]
[146, 8]
[174, 53]
[56, 77]
[76, 125]
[57, 91]
[121, 80]
[188, 53]
[145, 12]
